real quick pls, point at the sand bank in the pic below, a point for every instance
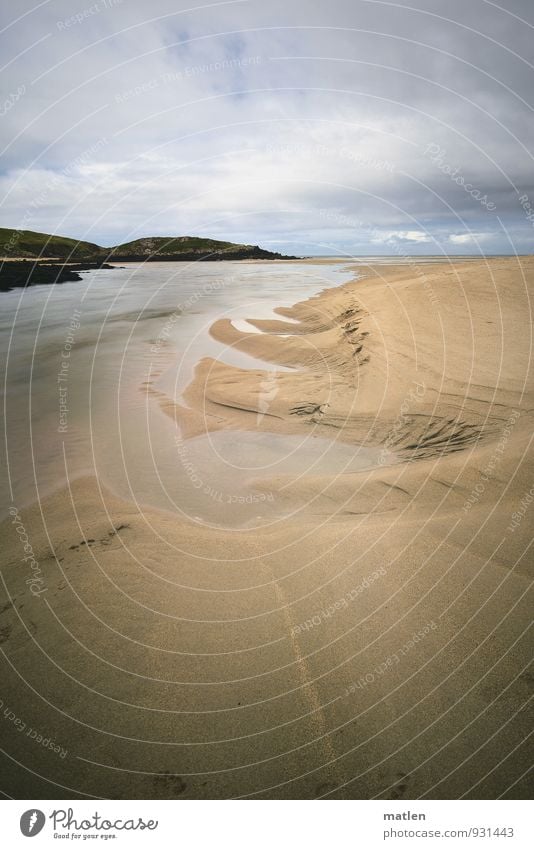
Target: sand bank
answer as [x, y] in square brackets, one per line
[373, 644]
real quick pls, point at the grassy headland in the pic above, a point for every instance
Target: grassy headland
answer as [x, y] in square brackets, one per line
[25, 244]
[55, 257]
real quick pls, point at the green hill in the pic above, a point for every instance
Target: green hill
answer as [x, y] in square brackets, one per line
[26, 244]
[174, 245]
[30, 245]
[187, 248]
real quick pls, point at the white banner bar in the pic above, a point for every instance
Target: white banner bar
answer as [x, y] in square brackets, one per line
[264, 825]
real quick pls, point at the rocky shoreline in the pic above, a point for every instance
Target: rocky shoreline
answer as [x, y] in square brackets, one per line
[200, 256]
[24, 273]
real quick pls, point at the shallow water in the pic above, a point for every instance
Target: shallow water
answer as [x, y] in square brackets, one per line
[78, 359]
[227, 473]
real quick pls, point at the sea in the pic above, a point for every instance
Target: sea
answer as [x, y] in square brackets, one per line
[86, 364]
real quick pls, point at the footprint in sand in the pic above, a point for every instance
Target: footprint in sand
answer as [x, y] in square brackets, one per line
[168, 785]
[322, 789]
[400, 787]
[14, 632]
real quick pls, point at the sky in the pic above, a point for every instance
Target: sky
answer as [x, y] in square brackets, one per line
[348, 127]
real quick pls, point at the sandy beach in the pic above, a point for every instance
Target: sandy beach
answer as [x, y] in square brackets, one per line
[371, 641]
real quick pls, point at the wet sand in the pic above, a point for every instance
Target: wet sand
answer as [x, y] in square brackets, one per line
[371, 642]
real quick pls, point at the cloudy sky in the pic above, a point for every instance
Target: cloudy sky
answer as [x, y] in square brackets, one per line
[309, 126]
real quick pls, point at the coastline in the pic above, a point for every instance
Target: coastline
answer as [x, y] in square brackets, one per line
[369, 647]
[356, 354]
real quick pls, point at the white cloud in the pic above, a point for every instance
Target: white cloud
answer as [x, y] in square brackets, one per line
[278, 123]
[469, 238]
[403, 236]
